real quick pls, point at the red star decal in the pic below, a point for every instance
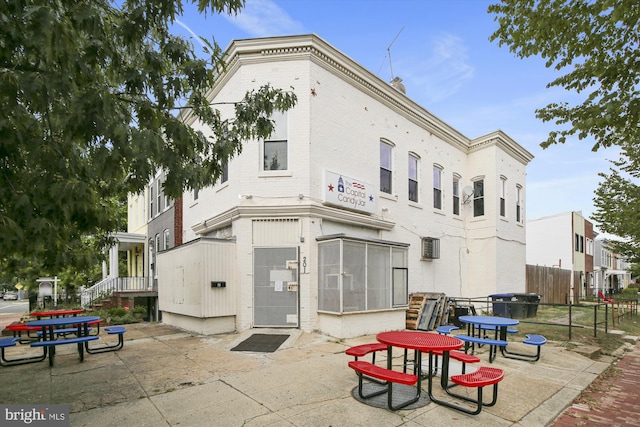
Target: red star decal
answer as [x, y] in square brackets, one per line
[330, 187]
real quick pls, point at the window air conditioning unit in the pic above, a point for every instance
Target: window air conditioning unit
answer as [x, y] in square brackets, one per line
[430, 248]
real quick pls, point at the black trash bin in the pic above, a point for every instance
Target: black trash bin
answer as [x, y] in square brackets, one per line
[519, 306]
[457, 312]
[500, 308]
[532, 307]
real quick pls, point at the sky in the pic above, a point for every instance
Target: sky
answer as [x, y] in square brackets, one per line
[441, 50]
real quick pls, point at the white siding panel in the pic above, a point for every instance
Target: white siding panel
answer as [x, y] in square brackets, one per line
[274, 232]
[185, 274]
[219, 264]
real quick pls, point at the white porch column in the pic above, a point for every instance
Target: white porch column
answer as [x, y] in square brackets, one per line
[113, 261]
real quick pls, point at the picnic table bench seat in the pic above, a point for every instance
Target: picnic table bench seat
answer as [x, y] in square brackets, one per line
[11, 342]
[18, 328]
[366, 369]
[446, 329]
[456, 355]
[482, 377]
[364, 349]
[63, 331]
[470, 342]
[493, 328]
[111, 330]
[481, 340]
[531, 339]
[52, 344]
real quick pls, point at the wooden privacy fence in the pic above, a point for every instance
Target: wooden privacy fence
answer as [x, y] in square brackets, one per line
[553, 284]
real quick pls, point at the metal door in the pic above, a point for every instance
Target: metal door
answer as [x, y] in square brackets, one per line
[275, 287]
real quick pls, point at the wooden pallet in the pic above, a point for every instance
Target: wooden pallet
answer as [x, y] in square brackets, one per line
[426, 311]
[414, 311]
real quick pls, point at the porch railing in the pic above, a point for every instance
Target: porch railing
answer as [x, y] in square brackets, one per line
[108, 286]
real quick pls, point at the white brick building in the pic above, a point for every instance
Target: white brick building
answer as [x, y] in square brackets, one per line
[360, 198]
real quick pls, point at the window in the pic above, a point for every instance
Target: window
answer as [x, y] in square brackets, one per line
[456, 195]
[437, 187]
[224, 176]
[156, 250]
[359, 275]
[152, 258]
[151, 201]
[413, 177]
[159, 207]
[167, 199]
[503, 196]
[519, 217]
[166, 239]
[196, 193]
[478, 198]
[275, 147]
[385, 167]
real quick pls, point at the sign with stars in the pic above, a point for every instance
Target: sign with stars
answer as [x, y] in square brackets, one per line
[348, 193]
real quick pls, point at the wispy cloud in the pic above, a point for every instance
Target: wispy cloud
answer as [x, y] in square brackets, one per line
[193, 34]
[264, 18]
[444, 69]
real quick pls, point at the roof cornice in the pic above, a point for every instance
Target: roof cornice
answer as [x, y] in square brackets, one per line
[503, 141]
[312, 47]
[226, 218]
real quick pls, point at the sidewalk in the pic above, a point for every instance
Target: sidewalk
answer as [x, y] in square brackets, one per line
[166, 377]
[613, 399]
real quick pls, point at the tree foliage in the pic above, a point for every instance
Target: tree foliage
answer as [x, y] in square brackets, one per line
[617, 212]
[90, 92]
[597, 44]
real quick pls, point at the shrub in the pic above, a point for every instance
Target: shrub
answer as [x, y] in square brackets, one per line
[117, 312]
[140, 309]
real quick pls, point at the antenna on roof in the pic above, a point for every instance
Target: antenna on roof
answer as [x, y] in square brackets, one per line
[396, 82]
[389, 51]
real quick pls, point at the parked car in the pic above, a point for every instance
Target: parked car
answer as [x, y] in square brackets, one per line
[10, 296]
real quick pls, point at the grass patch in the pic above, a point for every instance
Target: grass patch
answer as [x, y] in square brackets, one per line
[552, 321]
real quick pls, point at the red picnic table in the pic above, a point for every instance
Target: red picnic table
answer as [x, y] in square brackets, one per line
[56, 313]
[18, 328]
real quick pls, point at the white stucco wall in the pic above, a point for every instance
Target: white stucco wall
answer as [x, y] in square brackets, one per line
[550, 241]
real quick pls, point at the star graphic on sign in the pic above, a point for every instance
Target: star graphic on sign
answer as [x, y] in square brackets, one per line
[330, 187]
[371, 198]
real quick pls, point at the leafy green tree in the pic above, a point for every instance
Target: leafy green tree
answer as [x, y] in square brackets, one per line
[595, 46]
[617, 212]
[90, 95]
